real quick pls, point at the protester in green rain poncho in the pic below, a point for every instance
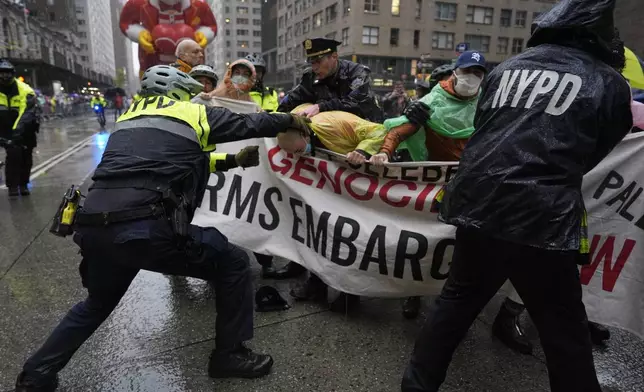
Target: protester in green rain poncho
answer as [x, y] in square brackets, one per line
[451, 106]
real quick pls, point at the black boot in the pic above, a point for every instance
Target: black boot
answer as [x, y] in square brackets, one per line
[507, 328]
[25, 385]
[238, 362]
[411, 307]
[313, 289]
[13, 191]
[24, 191]
[340, 302]
[291, 270]
[598, 333]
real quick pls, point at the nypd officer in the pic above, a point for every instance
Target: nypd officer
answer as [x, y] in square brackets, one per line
[265, 97]
[330, 84]
[18, 127]
[136, 216]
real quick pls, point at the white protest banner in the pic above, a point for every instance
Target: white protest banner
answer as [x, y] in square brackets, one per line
[374, 231]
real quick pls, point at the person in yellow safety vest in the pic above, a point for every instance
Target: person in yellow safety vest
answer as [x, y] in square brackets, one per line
[97, 100]
[137, 213]
[265, 97]
[18, 127]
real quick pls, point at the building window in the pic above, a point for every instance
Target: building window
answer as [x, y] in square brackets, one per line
[280, 22]
[257, 33]
[520, 18]
[228, 44]
[478, 42]
[446, 11]
[298, 28]
[242, 32]
[227, 9]
[416, 38]
[317, 20]
[289, 35]
[298, 6]
[81, 22]
[228, 32]
[242, 10]
[479, 15]
[331, 35]
[394, 37]
[502, 47]
[372, 6]
[289, 13]
[517, 45]
[331, 13]
[257, 22]
[280, 41]
[242, 54]
[280, 59]
[306, 25]
[345, 36]
[289, 54]
[281, 4]
[441, 40]
[257, 44]
[506, 18]
[419, 8]
[242, 21]
[346, 7]
[242, 44]
[257, 11]
[395, 7]
[370, 35]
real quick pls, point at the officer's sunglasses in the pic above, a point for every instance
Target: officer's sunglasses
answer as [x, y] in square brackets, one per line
[316, 60]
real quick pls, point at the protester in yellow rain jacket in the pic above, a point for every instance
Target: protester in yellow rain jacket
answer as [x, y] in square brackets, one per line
[340, 132]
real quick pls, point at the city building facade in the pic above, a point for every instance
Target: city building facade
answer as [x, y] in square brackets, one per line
[269, 41]
[42, 43]
[240, 32]
[94, 24]
[627, 20]
[123, 59]
[391, 36]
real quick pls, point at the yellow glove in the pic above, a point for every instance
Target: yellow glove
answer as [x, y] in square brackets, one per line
[145, 42]
[201, 39]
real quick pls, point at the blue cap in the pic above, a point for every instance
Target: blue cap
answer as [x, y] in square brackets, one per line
[471, 58]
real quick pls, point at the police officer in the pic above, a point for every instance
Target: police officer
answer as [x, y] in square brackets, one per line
[330, 84]
[264, 96]
[136, 216]
[19, 124]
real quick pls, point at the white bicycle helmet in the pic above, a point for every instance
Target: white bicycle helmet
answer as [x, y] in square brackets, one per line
[256, 60]
[206, 71]
[169, 81]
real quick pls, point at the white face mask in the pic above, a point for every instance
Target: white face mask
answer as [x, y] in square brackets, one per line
[238, 79]
[467, 85]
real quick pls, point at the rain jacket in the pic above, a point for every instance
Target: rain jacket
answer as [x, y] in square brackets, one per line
[240, 92]
[343, 132]
[545, 118]
[18, 116]
[446, 133]
[348, 90]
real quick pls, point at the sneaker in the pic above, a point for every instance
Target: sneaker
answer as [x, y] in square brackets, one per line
[25, 385]
[24, 191]
[13, 192]
[238, 362]
[411, 307]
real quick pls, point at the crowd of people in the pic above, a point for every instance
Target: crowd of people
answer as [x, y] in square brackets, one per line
[512, 191]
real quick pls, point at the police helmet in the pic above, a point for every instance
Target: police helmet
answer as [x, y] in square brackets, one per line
[6, 66]
[441, 71]
[169, 81]
[206, 71]
[256, 60]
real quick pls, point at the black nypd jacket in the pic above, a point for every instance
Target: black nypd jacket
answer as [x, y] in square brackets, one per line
[348, 90]
[545, 118]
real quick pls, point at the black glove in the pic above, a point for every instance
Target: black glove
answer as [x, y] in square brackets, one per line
[418, 113]
[301, 124]
[248, 156]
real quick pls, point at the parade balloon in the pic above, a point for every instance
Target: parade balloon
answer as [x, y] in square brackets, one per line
[166, 37]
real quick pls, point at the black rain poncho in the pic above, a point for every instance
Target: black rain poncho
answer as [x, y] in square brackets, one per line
[544, 119]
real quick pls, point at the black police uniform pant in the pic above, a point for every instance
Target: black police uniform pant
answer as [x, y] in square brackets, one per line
[18, 166]
[548, 282]
[111, 261]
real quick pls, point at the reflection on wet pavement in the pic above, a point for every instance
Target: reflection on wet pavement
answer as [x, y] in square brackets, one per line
[160, 335]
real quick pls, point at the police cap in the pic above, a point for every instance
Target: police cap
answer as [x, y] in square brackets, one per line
[318, 47]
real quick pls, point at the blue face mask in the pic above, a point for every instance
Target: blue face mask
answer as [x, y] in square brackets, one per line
[307, 150]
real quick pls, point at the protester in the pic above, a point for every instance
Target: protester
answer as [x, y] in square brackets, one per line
[237, 83]
[189, 54]
[546, 117]
[451, 104]
[264, 96]
[395, 102]
[422, 89]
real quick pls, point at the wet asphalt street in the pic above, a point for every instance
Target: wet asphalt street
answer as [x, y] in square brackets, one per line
[161, 334]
